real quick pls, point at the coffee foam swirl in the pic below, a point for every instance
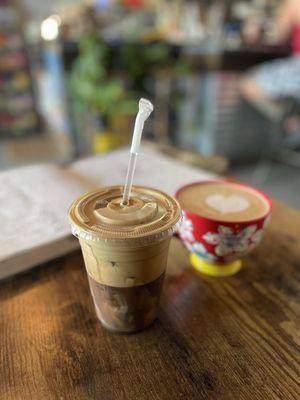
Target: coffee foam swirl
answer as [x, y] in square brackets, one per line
[224, 201]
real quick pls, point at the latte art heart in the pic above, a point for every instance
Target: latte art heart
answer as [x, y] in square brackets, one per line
[227, 204]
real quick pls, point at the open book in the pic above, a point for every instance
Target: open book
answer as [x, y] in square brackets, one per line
[35, 201]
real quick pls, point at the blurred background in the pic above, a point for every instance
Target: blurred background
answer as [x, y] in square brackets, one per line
[224, 77]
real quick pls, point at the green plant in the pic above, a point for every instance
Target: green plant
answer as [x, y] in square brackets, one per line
[142, 60]
[92, 82]
[96, 75]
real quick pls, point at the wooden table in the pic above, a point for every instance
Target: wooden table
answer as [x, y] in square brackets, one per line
[232, 338]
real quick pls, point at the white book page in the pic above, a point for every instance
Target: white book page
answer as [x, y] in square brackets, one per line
[34, 204]
[35, 199]
[152, 169]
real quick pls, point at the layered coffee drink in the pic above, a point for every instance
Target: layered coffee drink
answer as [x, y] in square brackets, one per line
[224, 201]
[125, 249]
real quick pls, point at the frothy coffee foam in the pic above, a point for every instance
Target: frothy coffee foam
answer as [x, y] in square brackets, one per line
[223, 201]
[120, 267]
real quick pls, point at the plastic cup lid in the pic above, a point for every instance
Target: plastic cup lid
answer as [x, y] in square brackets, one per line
[100, 215]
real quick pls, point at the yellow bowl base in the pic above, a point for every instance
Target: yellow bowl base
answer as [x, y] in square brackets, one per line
[216, 270]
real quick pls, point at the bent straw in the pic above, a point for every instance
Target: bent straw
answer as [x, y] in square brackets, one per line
[145, 109]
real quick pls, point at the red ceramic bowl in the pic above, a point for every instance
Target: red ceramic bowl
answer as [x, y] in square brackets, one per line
[217, 246]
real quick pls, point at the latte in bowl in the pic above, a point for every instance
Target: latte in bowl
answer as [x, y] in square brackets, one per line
[222, 222]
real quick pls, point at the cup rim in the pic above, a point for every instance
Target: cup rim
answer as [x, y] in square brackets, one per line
[82, 230]
[231, 181]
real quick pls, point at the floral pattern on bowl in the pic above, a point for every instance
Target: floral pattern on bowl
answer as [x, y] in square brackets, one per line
[228, 243]
[225, 243]
[186, 233]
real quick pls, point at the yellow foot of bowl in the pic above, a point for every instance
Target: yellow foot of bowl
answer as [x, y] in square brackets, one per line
[216, 270]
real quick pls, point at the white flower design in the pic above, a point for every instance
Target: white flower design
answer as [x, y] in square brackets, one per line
[186, 232]
[257, 236]
[228, 242]
[201, 251]
[267, 221]
[186, 229]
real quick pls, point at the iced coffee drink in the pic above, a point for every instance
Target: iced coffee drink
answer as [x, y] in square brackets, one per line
[125, 249]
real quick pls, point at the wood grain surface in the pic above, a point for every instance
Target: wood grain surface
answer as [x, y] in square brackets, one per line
[231, 338]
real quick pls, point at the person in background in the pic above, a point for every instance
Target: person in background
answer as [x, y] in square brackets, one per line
[280, 78]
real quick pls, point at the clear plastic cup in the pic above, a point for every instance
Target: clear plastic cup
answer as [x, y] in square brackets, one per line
[125, 249]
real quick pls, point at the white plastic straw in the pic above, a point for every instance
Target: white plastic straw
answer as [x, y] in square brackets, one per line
[145, 109]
